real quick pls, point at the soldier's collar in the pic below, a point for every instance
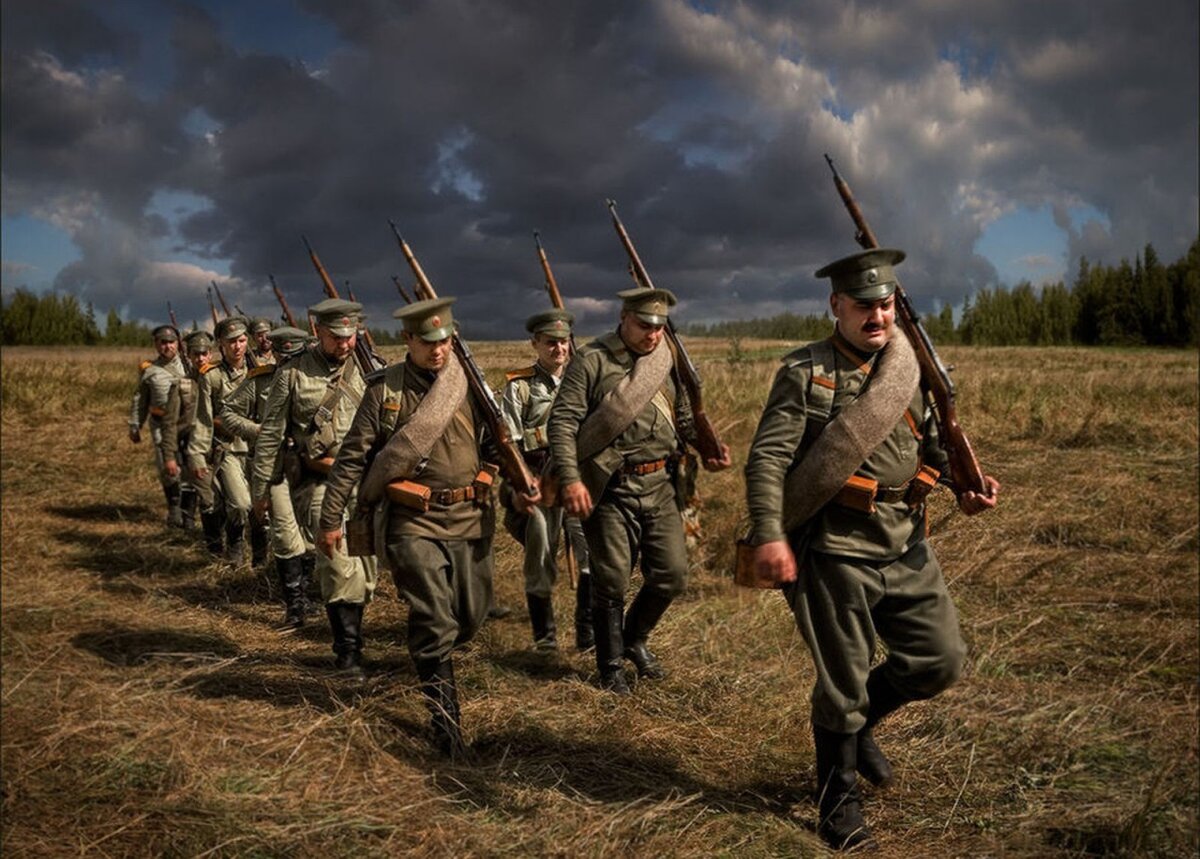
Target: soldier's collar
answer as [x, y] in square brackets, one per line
[862, 360]
[616, 346]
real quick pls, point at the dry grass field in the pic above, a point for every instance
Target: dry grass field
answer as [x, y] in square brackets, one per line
[150, 710]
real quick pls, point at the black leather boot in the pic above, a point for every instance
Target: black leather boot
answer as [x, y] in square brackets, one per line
[188, 502]
[174, 510]
[235, 540]
[643, 615]
[291, 583]
[873, 764]
[214, 537]
[346, 621]
[541, 618]
[585, 636]
[606, 622]
[441, 694]
[258, 543]
[841, 822]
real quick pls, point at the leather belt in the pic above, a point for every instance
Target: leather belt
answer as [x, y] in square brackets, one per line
[642, 468]
[446, 497]
[890, 495]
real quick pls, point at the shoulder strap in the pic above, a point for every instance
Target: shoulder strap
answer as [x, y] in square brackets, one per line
[823, 382]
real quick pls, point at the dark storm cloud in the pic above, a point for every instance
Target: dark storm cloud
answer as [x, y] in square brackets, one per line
[471, 123]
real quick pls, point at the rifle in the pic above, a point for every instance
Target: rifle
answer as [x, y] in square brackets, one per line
[407, 298]
[556, 298]
[221, 299]
[365, 356]
[183, 355]
[287, 311]
[212, 309]
[366, 334]
[965, 472]
[171, 314]
[708, 443]
[513, 462]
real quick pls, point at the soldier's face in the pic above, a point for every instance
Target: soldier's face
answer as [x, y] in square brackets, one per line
[234, 350]
[552, 352]
[426, 354]
[167, 349]
[263, 341]
[866, 325]
[336, 348]
[641, 337]
[199, 359]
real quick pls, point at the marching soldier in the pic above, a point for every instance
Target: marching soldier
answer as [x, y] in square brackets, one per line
[436, 522]
[260, 333]
[215, 452]
[242, 415]
[611, 455]
[178, 421]
[150, 403]
[528, 395]
[868, 571]
[309, 409]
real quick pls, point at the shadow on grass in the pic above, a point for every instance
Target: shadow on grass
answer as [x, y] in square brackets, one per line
[127, 647]
[117, 555]
[539, 666]
[102, 512]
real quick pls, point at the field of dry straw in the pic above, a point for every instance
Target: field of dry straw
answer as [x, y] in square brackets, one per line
[149, 709]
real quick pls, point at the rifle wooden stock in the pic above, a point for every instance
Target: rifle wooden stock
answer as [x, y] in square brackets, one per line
[212, 308]
[365, 356]
[512, 462]
[400, 288]
[287, 311]
[965, 471]
[221, 299]
[556, 298]
[708, 443]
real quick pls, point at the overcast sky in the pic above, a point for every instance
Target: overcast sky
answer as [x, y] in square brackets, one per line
[151, 147]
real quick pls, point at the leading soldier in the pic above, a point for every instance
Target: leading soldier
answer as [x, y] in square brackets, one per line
[868, 572]
[150, 403]
[177, 425]
[242, 414]
[309, 409]
[611, 456]
[528, 395]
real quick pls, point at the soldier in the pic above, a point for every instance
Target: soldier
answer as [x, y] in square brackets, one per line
[150, 402]
[216, 452]
[260, 331]
[178, 421]
[242, 415]
[528, 394]
[436, 523]
[309, 409]
[868, 570]
[611, 455]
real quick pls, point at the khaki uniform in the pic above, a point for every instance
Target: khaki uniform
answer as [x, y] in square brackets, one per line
[302, 407]
[176, 431]
[441, 559]
[241, 415]
[150, 404]
[635, 518]
[862, 575]
[528, 395]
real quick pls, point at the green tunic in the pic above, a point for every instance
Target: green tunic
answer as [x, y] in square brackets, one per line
[441, 559]
[150, 404]
[862, 576]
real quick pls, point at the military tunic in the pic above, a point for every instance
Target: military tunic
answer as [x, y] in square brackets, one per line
[633, 513]
[528, 395]
[213, 447]
[298, 408]
[441, 559]
[241, 414]
[861, 575]
[150, 403]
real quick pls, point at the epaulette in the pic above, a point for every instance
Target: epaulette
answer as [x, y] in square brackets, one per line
[144, 364]
[260, 370]
[207, 367]
[522, 373]
[375, 376]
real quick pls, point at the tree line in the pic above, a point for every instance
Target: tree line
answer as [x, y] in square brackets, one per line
[1144, 303]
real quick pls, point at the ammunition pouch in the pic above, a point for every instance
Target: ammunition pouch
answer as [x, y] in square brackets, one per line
[322, 465]
[484, 482]
[921, 485]
[858, 494]
[410, 494]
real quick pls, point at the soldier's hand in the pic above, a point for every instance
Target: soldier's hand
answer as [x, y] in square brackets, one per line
[200, 471]
[775, 561]
[712, 464]
[261, 506]
[171, 467]
[576, 500]
[135, 435]
[524, 503]
[329, 542]
[972, 503]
